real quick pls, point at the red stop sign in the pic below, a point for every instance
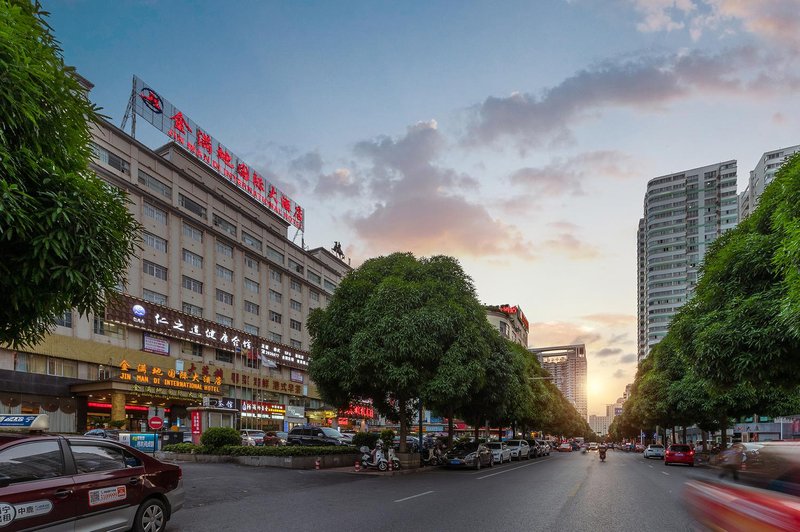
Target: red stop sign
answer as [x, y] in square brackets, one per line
[155, 422]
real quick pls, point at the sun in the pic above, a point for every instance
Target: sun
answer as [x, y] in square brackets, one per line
[595, 386]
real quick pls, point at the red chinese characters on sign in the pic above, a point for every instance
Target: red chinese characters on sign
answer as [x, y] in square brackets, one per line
[180, 123]
[258, 181]
[204, 141]
[243, 171]
[361, 411]
[298, 213]
[273, 195]
[196, 422]
[286, 203]
[224, 156]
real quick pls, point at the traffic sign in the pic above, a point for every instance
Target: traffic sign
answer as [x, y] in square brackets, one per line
[155, 422]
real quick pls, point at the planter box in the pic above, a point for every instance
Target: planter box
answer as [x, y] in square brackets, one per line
[288, 462]
[408, 460]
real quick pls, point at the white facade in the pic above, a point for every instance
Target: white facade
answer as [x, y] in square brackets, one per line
[599, 424]
[761, 176]
[684, 213]
[567, 365]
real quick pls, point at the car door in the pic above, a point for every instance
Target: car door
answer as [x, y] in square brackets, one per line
[36, 488]
[108, 485]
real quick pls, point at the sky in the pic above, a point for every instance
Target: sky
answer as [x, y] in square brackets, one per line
[516, 136]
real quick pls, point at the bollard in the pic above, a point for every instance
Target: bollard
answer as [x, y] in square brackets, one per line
[316, 463]
[358, 465]
[390, 465]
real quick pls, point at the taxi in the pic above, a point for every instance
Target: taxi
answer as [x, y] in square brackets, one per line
[58, 482]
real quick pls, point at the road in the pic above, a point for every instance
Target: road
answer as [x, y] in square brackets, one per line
[565, 491]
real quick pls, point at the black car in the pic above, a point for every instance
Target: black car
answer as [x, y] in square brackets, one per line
[469, 454]
[315, 436]
[111, 434]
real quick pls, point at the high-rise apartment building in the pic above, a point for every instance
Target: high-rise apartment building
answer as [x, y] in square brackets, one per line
[684, 213]
[567, 365]
[761, 176]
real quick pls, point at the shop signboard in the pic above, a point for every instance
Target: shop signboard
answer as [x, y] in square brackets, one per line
[153, 343]
[296, 376]
[145, 442]
[295, 411]
[261, 410]
[17, 421]
[195, 422]
[170, 378]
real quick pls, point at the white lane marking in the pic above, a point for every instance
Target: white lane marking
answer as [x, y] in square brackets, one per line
[651, 467]
[414, 496]
[664, 473]
[512, 469]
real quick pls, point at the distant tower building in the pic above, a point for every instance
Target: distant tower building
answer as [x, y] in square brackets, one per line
[627, 392]
[567, 365]
[510, 321]
[684, 213]
[761, 176]
[599, 424]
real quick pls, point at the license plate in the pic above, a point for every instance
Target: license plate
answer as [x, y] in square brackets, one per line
[455, 462]
[679, 455]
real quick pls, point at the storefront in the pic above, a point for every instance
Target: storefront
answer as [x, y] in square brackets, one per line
[295, 415]
[357, 417]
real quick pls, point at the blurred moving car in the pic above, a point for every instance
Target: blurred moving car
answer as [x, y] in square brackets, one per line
[520, 449]
[654, 450]
[593, 446]
[565, 448]
[111, 434]
[739, 457]
[679, 453]
[82, 483]
[469, 454]
[252, 438]
[500, 452]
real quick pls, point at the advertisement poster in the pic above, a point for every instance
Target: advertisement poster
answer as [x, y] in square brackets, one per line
[195, 422]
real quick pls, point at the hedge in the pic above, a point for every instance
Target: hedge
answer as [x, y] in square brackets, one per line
[242, 450]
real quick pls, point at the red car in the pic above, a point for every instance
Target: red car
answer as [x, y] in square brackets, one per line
[81, 483]
[679, 453]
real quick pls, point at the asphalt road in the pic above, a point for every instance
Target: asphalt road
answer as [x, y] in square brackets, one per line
[565, 492]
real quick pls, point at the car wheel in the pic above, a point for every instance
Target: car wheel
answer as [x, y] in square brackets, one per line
[151, 517]
[477, 463]
[491, 462]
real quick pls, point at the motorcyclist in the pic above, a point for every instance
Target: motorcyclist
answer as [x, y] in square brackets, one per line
[602, 451]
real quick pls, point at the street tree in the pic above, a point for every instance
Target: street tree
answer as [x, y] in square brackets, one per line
[65, 236]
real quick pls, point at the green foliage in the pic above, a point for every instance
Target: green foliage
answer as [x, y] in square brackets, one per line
[365, 438]
[283, 450]
[185, 448]
[387, 437]
[217, 437]
[65, 236]
[118, 423]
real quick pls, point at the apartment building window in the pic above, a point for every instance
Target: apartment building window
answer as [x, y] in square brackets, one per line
[191, 348]
[154, 184]
[296, 266]
[194, 310]
[107, 329]
[276, 276]
[251, 307]
[192, 284]
[154, 213]
[224, 249]
[192, 259]
[275, 297]
[192, 206]
[275, 337]
[295, 305]
[58, 367]
[251, 262]
[109, 159]
[329, 285]
[150, 268]
[274, 316]
[314, 277]
[155, 242]
[297, 344]
[224, 356]
[296, 325]
[296, 286]
[192, 233]
[222, 319]
[314, 295]
[251, 286]
[224, 225]
[65, 320]
[224, 297]
[224, 273]
[251, 241]
[251, 329]
[154, 297]
[274, 255]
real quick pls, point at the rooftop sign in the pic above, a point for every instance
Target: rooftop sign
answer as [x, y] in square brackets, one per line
[160, 112]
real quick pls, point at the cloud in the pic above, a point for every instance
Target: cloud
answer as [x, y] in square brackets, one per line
[620, 374]
[612, 320]
[551, 333]
[608, 351]
[588, 337]
[339, 182]
[620, 339]
[627, 359]
[569, 245]
[310, 162]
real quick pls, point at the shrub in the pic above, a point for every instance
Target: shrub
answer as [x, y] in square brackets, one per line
[220, 436]
[387, 436]
[292, 450]
[184, 448]
[365, 438]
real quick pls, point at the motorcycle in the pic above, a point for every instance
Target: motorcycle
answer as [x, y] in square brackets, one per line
[432, 456]
[374, 458]
[393, 459]
[602, 455]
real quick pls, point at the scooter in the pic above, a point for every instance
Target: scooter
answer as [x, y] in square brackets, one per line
[432, 456]
[393, 459]
[374, 458]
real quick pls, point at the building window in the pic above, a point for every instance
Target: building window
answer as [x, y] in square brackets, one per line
[191, 348]
[251, 241]
[329, 286]
[192, 233]
[251, 286]
[154, 297]
[274, 316]
[224, 273]
[296, 325]
[296, 266]
[224, 249]
[154, 184]
[275, 297]
[65, 320]
[59, 367]
[109, 159]
[314, 277]
[222, 319]
[314, 295]
[224, 356]
[295, 305]
[153, 212]
[297, 344]
[155, 242]
[251, 329]
[192, 206]
[251, 307]
[159, 272]
[224, 297]
[275, 337]
[276, 276]
[192, 259]
[251, 262]
[274, 255]
[224, 225]
[192, 284]
[107, 329]
[194, 310]
[296, 286]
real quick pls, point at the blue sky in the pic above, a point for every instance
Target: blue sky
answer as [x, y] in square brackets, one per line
[516, 136]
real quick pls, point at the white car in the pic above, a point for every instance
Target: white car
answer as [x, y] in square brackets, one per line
[500, 452]
[593, 446]
[519, 449]
[655, 450]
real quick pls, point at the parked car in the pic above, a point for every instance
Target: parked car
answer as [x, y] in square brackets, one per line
[272, 439]
[565, 448]
[654, 450]
[639, 448]
[283, 436]
[544, 448]
[348, 436]
[500, 452]
[305, 435]
[593, 446]
[252, 438]
[412, 443]
[111, 434]
[679, 453]
[469, 454]
[519, 449]
[84, 483]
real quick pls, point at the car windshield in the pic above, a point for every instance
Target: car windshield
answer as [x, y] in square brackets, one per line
[656, 446]
[465, 446]
[679, 448]
[331, 433]
[495, 445]
[513, 443]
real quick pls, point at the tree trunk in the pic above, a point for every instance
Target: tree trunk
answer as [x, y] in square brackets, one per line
[450, 429]
[724, 427]
[403, 424]
[704, 435]
[684, 434]
[674, 435]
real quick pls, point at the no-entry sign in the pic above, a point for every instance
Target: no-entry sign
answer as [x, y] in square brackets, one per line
[155, 422]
